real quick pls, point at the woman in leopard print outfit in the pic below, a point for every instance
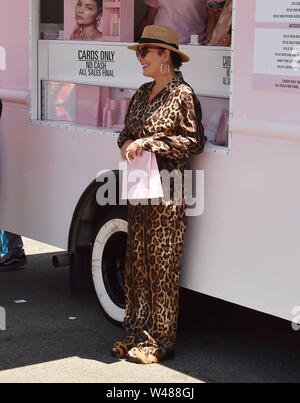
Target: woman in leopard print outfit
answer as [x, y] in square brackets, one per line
[164, 117]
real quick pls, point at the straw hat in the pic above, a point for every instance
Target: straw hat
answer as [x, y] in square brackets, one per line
[162, 36]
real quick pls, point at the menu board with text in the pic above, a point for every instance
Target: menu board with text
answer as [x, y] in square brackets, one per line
[277, 45]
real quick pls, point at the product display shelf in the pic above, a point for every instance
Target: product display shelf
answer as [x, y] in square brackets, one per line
[118, 21]
[58, 63]
[85, 105]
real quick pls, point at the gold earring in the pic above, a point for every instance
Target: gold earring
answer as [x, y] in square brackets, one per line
[161, 69]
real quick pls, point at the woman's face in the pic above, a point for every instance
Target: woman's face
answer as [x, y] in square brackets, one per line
[151, 60]
[86, 12]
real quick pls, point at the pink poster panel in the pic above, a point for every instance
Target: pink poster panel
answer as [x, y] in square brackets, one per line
[99, 20]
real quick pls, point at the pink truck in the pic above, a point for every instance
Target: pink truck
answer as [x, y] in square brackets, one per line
[64, 103]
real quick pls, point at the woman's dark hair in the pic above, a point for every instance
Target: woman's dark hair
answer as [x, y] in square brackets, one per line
[99, 5]
[175, 58]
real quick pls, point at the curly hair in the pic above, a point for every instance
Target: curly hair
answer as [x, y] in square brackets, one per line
[175, 58]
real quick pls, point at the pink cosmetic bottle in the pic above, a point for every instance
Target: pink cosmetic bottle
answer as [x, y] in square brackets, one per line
[105, 110]
[114, 107]
[124, 103]
[115, 24]
[109, 123]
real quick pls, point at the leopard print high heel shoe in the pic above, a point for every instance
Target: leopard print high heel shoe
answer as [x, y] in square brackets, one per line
[148, 352]
[119, 350]
[139, 356]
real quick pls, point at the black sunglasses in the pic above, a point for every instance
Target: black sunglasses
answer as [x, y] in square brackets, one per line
[144, 50]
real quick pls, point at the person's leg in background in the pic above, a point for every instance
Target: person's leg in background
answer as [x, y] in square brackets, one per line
[3, 246]
[12, 250]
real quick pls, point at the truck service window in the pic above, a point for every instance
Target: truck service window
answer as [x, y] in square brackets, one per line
[76, 89]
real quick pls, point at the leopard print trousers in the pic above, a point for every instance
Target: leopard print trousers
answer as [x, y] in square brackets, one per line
[153, 259]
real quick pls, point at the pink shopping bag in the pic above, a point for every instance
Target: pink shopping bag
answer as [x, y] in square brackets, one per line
[141, 178]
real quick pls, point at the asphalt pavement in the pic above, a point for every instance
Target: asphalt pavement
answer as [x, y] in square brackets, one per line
[55, 337]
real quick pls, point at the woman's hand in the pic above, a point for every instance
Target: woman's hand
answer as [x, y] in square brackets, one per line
[124, 149]
[131, 149]
[208, 38]
[225, 40]
[76, 33]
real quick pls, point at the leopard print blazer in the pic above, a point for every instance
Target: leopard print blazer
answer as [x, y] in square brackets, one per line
[169, 126]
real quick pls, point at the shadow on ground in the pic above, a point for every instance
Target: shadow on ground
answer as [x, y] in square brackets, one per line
[217, 341]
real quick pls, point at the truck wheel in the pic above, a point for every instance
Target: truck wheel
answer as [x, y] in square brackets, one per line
[108, 264]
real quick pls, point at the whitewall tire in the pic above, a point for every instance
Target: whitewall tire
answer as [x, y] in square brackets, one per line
[108, 262]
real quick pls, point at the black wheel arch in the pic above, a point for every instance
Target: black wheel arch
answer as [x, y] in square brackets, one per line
[85, 213]
[83, 231]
